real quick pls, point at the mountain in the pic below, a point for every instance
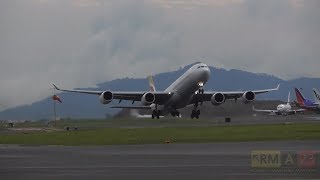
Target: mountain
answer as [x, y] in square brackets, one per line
[88, 106]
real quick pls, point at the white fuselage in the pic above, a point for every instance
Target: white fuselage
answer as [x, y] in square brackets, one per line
[284, 108]
[185, 87]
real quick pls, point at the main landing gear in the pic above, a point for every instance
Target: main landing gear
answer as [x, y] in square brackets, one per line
[156, 114]
[175, 113]
[195, 114]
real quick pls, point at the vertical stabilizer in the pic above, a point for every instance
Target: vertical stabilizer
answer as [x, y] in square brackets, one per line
[151, 84]
[288, 102]
[316, 95]
[300, 98]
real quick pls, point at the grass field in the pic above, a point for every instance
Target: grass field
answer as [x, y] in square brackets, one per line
[106, 136]
[115, 123]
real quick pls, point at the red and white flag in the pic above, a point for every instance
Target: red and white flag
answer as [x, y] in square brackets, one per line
[56, 98]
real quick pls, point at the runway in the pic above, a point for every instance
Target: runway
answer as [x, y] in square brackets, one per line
[162, 161]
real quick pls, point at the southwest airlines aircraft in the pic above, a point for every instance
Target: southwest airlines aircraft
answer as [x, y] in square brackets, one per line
[186, 90]
[282, 109]
[308, 103]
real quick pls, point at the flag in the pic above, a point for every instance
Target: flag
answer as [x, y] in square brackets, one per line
[56, 98]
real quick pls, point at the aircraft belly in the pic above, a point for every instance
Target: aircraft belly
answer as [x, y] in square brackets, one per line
[183, 103]
[178, 101]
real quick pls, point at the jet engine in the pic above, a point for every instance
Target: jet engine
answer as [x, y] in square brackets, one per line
[148, 98]
[217, 99]
[106, 97]
[248, 97]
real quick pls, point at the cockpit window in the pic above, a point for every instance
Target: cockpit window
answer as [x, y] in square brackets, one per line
[201, 67]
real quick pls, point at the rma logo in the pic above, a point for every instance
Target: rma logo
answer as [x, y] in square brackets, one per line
[265, 159]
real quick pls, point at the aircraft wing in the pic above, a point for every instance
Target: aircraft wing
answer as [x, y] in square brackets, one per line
[160, 96]
[298, 110]
[206, 96]
[264, 110]
[276, 111]
[238, 94]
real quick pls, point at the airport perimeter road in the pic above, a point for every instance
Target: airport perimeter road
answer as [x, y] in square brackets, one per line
[163, 161]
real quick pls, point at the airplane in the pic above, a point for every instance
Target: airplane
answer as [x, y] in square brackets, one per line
[136, 114]
[316, 96]
[282, 109]
[307, 103]
[186, 90]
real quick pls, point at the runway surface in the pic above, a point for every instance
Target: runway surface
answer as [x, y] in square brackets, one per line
[163, 161]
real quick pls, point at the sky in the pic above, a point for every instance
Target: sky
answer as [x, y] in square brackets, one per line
[79, 43]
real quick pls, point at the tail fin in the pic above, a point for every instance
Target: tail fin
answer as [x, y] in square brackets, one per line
[151, 84]
[288, 102]
[300, 98]
[316, 96]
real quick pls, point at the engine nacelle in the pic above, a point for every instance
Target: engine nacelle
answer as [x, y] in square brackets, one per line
[148, 98]
[248, 97]
[217, 99]
[106, 97]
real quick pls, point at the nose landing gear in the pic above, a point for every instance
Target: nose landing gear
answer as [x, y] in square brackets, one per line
[156, 114]
[195, 114]
[175, 113]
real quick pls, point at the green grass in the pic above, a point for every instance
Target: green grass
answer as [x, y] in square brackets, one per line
[105, 136]
[117, 123]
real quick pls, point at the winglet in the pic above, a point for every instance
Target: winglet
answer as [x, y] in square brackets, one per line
[55, 87]
[278, 87]
[253, 108]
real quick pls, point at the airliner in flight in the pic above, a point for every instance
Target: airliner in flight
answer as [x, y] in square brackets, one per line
[186, 90]
[307, 103]
[282, 109]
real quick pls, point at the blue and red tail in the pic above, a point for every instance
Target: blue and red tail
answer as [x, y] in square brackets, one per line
[300, 97]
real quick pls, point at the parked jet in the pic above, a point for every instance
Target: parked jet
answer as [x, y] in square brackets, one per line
[306, 103]
[135, 113]
[282, 109]
[316, 96]
[186, 90]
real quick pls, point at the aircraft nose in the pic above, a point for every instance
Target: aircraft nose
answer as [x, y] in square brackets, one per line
[207, 73]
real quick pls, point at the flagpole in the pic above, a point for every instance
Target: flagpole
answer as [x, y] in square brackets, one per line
[55, 98]
[55, 113]
[54, 109]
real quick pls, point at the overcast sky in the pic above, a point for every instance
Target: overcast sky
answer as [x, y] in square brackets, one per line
[79, 43]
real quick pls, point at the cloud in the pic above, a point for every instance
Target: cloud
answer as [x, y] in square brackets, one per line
[297, 3]
[79, 43]
[190, 4]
